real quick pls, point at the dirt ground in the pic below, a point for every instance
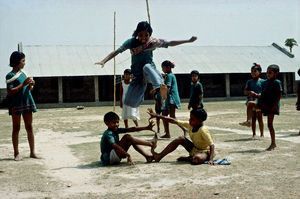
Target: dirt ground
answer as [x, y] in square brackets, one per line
[68, 142]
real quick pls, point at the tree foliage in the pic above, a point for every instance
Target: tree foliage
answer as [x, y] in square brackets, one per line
[290, 42]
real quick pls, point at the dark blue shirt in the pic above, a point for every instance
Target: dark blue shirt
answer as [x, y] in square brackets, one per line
[196, 92]
[109, 137]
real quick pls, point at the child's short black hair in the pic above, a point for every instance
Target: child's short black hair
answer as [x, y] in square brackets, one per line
[256, 67]
[143, 25]
[110, 116]
[127, 71]
[200, 114]
[299, 72]
[168, 63]
[274, 68]
[195, 72]
[15, 58]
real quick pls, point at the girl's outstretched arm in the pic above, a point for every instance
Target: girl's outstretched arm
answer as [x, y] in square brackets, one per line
[108, 57]
[178, 42]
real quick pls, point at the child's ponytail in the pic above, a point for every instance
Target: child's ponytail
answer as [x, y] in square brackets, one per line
[168, 63]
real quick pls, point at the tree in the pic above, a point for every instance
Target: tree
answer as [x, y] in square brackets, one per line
[290, 42]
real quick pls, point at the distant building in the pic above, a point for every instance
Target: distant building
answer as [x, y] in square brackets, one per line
[66, 74]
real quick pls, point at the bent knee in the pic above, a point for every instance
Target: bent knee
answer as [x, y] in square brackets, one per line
[270, 125]
[127, 137]
[28, 127]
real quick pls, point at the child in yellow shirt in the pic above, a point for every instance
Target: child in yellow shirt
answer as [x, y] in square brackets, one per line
[200, 149]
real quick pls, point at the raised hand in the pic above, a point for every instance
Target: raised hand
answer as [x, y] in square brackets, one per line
[151, 113]
[151, 125]
[27, 81]
[192, 39]
[101, 63]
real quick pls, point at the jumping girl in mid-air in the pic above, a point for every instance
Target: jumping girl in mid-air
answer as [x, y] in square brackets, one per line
[143, 68]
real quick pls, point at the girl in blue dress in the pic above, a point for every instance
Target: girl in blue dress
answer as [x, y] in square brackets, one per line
[20, 102]
[143, 68]
[173, 101]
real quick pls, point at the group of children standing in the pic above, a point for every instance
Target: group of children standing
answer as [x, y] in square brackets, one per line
[264, 97]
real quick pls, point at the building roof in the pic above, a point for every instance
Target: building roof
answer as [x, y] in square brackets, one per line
[58, 60]
[49, 61]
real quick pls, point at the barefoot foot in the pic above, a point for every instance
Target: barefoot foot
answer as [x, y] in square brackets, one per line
[149, 159]
[271, 147]
[33, 155]
[246, 123]
[165, 136]
[18, 157]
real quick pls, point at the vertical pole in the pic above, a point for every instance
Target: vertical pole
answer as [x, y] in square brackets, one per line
[285, 90]
[148, 12]
[20, 47]
[114, 62]
[60, 90]
[227, 82]
[96, 86]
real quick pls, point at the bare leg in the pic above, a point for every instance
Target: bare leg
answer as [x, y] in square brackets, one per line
[187, 144]
[253, 123]
[272, 132]
[166, 125]
[27, 117]
[250, 107]
[128, 140]
[136, 123]
[126, 123]
[158, 125]
[260, 123]
[16, 120]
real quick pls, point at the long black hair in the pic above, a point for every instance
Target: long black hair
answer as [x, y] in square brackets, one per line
[143, 25]
[15, 58]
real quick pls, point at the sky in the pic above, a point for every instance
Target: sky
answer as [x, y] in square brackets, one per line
[91, 22]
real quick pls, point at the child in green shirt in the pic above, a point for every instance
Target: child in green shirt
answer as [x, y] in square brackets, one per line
[113, 149]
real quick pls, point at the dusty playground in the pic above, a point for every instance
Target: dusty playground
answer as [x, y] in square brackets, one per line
[68, 141]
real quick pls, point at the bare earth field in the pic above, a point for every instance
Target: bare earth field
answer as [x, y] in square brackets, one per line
[68, 141]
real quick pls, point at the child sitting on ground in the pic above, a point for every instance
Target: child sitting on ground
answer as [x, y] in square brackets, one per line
[196, 97]
[200, 149]
[252, 89]
[268, 100]
[113, 149]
